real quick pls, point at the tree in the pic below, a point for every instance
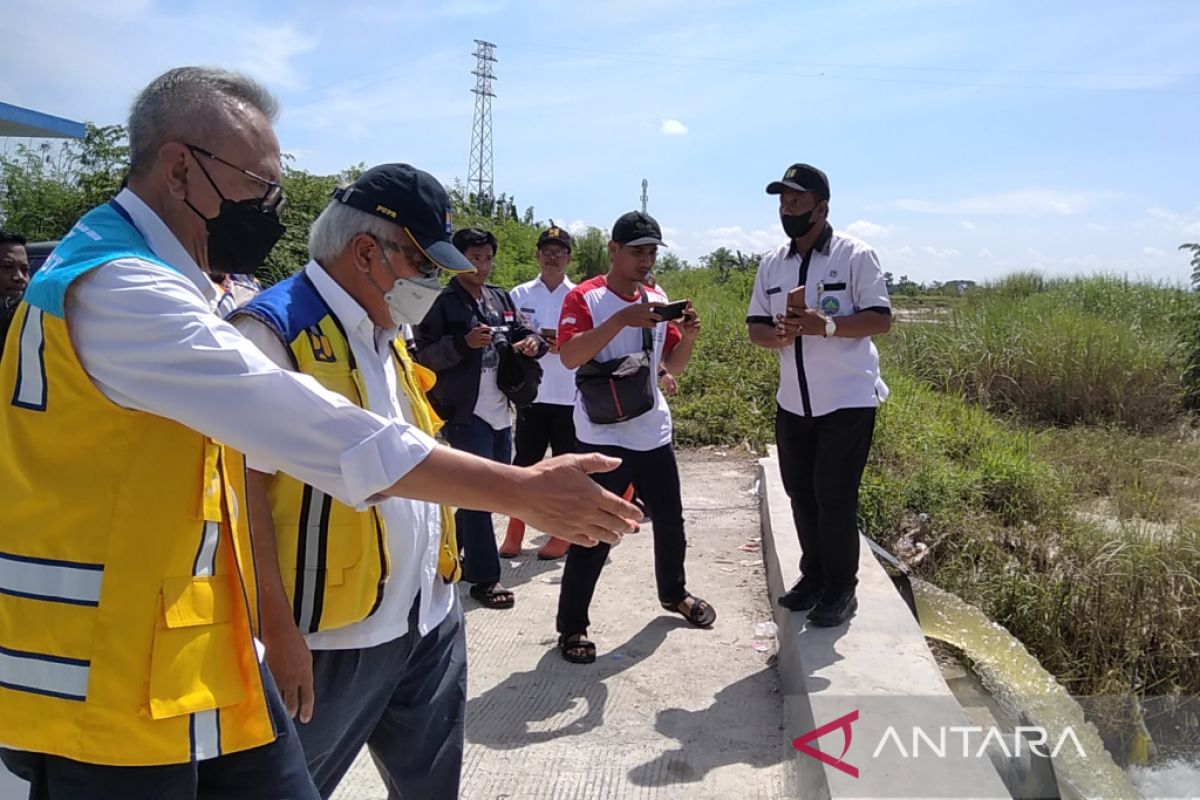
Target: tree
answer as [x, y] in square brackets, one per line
[590, 254]
[725, 263]
[45, 189]
[669, 262]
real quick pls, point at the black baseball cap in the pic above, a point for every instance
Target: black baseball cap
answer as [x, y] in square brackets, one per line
[554, 235]
[414, 200]
[801, 178]
[469, 237]
[637, 228]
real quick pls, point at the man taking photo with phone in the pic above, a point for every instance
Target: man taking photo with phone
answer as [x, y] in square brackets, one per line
[613, 324]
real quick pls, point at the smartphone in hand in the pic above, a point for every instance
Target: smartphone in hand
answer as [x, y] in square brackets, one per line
[795, 300]
[670, 311]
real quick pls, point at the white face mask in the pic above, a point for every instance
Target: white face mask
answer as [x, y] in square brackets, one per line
[410, 299]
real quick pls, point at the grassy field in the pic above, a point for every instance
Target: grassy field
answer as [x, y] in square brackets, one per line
[1034, 458]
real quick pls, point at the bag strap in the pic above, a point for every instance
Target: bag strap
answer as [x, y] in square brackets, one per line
[647, 340]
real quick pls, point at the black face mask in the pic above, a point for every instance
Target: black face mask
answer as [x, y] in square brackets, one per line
[241, 235]
[797, 225]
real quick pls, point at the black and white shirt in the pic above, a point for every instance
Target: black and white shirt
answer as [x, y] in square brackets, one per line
[841, 276]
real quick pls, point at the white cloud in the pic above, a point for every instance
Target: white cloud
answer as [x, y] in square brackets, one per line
[1097, 227]
[270, 52]
[1191, 229]
[673, 127]
[864, 229]
[1153, 251]
[735, 237]
[984, 253]
[577, 228]
[1021, 203]
[967, 224]
[940, 252]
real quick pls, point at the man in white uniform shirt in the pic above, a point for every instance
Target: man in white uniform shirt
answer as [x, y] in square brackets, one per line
[547, 421]
[829, 383]
[388, 664]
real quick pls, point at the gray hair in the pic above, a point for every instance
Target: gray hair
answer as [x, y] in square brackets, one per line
[337, 226]
[190, 104]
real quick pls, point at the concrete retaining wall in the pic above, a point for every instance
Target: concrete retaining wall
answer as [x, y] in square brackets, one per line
[877, 665]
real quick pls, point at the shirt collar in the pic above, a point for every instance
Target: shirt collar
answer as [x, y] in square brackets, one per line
[566, 283]
[345, 308]
[163, 243]
[821, 245]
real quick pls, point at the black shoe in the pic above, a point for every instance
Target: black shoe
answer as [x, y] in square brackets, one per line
[804, 594]
[834, 610]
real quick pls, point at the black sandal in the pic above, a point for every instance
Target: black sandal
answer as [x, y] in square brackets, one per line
[577, 651]
[701, 614]
[490, 597]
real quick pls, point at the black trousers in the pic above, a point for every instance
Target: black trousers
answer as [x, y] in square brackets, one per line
[543, 425]
[655, 477]
[821, 461]
[274, 771]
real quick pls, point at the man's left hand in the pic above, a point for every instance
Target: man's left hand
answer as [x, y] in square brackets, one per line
[528, 346]
[808, 322]
[689, 323]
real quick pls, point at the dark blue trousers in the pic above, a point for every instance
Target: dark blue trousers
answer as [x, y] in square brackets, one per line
[406, 700]
[275, 771]
[476, 535]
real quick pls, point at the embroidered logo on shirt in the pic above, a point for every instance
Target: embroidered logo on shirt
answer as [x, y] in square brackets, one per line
[321, 346]
[830, 305]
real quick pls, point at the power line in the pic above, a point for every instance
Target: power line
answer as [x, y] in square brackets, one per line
[708, 64]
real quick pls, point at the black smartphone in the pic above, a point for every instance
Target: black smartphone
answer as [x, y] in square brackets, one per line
[672, 310]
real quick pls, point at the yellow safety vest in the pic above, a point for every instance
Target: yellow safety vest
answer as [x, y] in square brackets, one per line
[333, 559]
[127, 588]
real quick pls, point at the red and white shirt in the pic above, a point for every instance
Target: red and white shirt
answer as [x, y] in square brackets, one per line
[589, 305]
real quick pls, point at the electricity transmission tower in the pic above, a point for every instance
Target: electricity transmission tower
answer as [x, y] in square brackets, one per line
[645, 197]
[479, 172]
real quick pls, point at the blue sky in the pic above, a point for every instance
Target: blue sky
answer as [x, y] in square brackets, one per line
[962, 139]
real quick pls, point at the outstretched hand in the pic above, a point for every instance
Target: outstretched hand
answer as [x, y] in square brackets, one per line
[558, 497]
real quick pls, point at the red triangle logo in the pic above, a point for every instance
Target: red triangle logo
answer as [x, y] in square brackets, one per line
[801, 743]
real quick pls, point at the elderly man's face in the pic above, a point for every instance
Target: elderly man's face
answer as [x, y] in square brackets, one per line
[248, 146]
[14, 270]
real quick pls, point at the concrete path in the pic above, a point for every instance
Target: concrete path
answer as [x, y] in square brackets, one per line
[667, 711]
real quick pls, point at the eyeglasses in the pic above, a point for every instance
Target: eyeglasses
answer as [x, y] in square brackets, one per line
[555, 252]
[272, 201]
[418, 259]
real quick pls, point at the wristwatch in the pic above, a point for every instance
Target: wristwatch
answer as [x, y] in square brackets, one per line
[830, 327]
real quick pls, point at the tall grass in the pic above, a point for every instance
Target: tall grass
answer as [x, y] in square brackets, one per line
[984, 504]
[1098, 350]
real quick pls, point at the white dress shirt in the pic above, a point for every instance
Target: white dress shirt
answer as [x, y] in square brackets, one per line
[542, 308]
[413, 527]
[149, 339]
[819, 375]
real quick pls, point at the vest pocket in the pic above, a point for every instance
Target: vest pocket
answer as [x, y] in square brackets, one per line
[194, 664]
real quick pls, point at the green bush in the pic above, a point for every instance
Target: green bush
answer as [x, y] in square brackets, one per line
[1098, 350]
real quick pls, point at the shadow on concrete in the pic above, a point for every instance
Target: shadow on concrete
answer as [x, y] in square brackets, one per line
[515, 712]
[730, 731]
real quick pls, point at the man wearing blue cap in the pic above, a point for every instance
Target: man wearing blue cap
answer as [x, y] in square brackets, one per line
[361, 620]
[129, 600]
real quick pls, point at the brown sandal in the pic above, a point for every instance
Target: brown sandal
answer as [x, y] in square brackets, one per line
[701, 614]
